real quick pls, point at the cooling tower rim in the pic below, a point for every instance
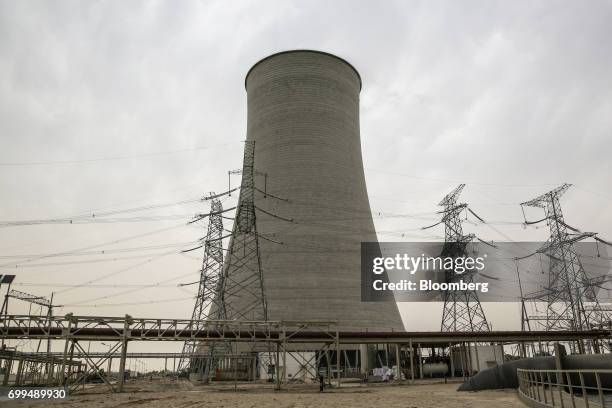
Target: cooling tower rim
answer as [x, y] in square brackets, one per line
[246, 78]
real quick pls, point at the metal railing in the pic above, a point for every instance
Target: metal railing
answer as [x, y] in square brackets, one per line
[565, 388]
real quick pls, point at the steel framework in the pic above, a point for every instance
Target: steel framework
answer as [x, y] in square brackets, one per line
[283, 338]
[242, 276]
[35, 368]
[240, 293]
[236, 290]
[208, 299]
[37, 300]
[100, 328]
[462, 309]
[570, 296]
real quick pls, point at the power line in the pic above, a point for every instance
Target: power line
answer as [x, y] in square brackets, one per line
[101, 251]
[131, 290]
[95, 217]
[157, 231]
[456, 181]
[95, 220]
[83, 262]
[117, 272]
[111, 206]
[100, 286]
[111, 158]
[150, 302]
[594, 192]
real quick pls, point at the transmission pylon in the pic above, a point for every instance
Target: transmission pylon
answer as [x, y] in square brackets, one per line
[239, 292]
[570, 296]
[242, 291]
[462, 309]
[207, 305]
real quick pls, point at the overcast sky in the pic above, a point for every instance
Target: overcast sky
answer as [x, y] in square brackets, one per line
[512, 98]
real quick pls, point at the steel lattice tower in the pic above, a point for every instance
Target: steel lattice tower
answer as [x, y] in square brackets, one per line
[242, 276]
[462, 309]
[235, 291]
[207, 300]
[571, 302]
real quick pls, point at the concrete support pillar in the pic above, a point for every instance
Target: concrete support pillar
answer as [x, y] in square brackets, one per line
[411, 361]
[477, 357]
[277, 367]
[464, 362]
[387, 354]
[420, 361]
[338, 358]
[234, 363]
[559, 354]
[363, 357]
[398, 362]
[284, 358]
[470, 365]
[452, 361]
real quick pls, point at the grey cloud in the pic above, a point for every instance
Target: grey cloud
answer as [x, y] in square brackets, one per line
[487, 92]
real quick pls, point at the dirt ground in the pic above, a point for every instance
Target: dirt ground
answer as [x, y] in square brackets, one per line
[175, 394]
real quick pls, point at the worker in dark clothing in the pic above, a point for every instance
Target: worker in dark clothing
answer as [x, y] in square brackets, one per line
[321, 382]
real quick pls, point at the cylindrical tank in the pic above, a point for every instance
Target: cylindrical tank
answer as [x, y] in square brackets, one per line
[303, 115]
[435, 369]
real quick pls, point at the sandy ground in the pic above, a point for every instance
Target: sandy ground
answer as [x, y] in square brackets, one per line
[166, 393]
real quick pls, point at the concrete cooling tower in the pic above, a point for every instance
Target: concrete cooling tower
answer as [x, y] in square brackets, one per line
[303, 115]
